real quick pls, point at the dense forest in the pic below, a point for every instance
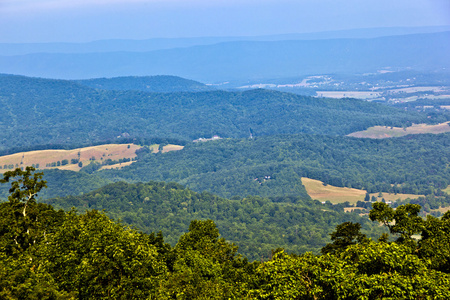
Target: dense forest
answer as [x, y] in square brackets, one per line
[156, 84]
[67, 113]
[51, 254]
[257, 224]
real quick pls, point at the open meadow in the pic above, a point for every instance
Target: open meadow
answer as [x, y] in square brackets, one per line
[318, 191]
[75, 159]
[382, 132]
[68, 159]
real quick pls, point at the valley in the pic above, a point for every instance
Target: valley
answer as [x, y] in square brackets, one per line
[221, 150]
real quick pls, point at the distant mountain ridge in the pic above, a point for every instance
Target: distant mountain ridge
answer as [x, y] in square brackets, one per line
[157, 84]
[146, 45]
[238, 60]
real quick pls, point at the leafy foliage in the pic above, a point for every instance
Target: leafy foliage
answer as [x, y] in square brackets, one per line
[89, 256]
[257, 224]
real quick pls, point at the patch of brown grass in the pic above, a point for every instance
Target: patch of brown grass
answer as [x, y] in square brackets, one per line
[447, 190]
[85, 155]
[318, 191]
[381, 132]
[116, 166]
[394, 197]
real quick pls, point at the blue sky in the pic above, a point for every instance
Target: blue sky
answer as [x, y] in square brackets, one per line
[87, 20]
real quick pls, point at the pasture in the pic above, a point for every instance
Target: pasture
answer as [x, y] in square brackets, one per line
[447, 190]
[382, 132]
[349, 94]
[70, 159]
[318, 191]
[45, 159]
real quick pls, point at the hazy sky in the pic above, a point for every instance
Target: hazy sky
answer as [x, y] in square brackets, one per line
[87, 20]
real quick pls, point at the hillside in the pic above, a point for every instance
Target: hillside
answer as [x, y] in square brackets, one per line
[243, 60]
[43, 112]
[274, 165]
[73, 159]
[257, 224]
[156, 84]
[382, 132]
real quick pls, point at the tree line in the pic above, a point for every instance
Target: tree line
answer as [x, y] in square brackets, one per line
[51, 254]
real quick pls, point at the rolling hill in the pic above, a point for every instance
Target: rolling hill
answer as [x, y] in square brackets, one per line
[40, 111]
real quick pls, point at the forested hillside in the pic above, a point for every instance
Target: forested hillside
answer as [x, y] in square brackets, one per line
[51, 254]
[42, 111]
[156, 84]
[272, 166]
[257, 224]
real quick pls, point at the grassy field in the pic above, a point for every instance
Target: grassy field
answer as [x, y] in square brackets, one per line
[348, 94]
[447, 190]
[43, 158]
[381, 132]
[318, 191]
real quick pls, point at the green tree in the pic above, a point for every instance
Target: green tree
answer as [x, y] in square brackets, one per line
[403, 221]
[346, 234]
[435, 242]
[93, 257]
[23, 221]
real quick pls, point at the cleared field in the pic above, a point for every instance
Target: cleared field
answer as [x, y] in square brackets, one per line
[382, 132]
[43, 159]
[415, 89]
[447, 190]
[318, 191]
[348, 94]
[395, 197]
[169, 148]
[353, 209]
[46, 159]
[117, 166]
[444, 209]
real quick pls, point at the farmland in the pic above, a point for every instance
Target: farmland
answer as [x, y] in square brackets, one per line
[349, 94]
[46, 159]
[381, 132]
[318, 191]
[75, 159]
[447, 190]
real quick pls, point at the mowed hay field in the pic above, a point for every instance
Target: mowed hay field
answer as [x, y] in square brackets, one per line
[447, 190]
[84, 155]
[382, 132]
[349, 94]
[318, 191]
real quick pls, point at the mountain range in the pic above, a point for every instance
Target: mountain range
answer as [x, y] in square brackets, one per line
[219, 60]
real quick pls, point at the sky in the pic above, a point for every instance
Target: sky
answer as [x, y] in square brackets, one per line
[88, 20]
